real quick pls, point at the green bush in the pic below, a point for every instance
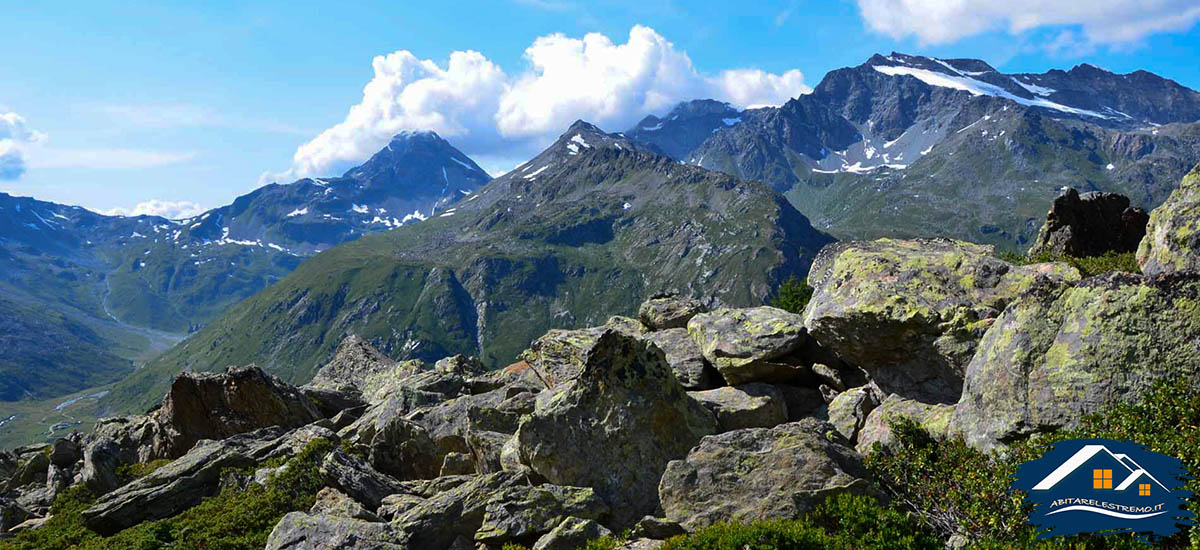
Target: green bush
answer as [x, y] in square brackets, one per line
[1125, 262]
[957, 490]
[793, 295]
[231, 520]
[130, 472]
[842, 522]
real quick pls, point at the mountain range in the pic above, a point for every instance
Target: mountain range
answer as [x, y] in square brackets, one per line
[900, 146]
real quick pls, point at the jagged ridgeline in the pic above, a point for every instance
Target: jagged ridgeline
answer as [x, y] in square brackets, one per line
[585, 230]
[910, 146]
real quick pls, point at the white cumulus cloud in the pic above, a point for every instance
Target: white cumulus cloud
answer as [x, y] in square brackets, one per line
[15, 137]
[1101, 21]
[493, 115]
[172, 210]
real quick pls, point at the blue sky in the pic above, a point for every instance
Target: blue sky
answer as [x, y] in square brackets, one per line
[110, 106]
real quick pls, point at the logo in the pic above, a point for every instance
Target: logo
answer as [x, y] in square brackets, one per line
[1104, 486]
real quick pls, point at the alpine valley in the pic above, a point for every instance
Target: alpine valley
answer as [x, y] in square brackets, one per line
[423, 255]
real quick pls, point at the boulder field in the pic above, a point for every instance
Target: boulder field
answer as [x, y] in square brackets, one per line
[686, 416]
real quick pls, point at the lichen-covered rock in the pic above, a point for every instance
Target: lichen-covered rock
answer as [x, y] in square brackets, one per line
[31, 471]
[743, 344]
[301, 531]
[395, 446]
[180, 484]
[1054, 357]
[355, 477]
[66, 451]
[353, 365]
[685, 358]
[332, 502]
[558, 356]
[1172, 241]
[615, 427]
[218, 405]
[664, 311]
[934, 418]
[848, 411]
[911, 313]
[760, 473]
[1090, 225]
[518, 513]
[455, 512]
[571, 534]
[651, 527]
[755, 405]
[455, 464]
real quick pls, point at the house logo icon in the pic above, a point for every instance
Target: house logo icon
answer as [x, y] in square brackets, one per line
[1105, 486]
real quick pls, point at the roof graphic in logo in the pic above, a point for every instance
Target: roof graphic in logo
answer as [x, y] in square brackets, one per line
[1104, 486]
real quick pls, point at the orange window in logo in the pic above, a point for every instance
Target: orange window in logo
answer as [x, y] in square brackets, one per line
[1102, 479]
[1144, 489]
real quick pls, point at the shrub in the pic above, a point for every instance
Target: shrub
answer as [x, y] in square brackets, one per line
[961, 491]
[130, 472]
[793, 295]
[1125, 262]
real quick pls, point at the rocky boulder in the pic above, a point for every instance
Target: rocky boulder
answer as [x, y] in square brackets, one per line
[219, 405]
[849, 410]
[301, 531]
[910, 313]
[615, 427]
[668, 310]
[1090, 225]
[755, 405]
[1172, 240]
[571, 534]
[760, 473]
[1053, 357]
[935, 419]
[521, 513]
[691, 368]
[747, 345]
[180, 484]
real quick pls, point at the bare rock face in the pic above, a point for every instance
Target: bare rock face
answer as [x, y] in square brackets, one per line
[216, 406]
[614, 427]
[1090, 225]
[760, 473]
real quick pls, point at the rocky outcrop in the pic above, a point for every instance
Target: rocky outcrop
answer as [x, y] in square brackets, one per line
[760, 473]
[519, 513]
[911, 313]
[183, 482]
[354, 366]
[1053, 357]
[216, 406]
[1172, 241]
[750, 345]
[1090, 224]
[615, 427]
[754, 405]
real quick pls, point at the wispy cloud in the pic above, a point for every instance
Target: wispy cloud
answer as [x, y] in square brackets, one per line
[1100, 22]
